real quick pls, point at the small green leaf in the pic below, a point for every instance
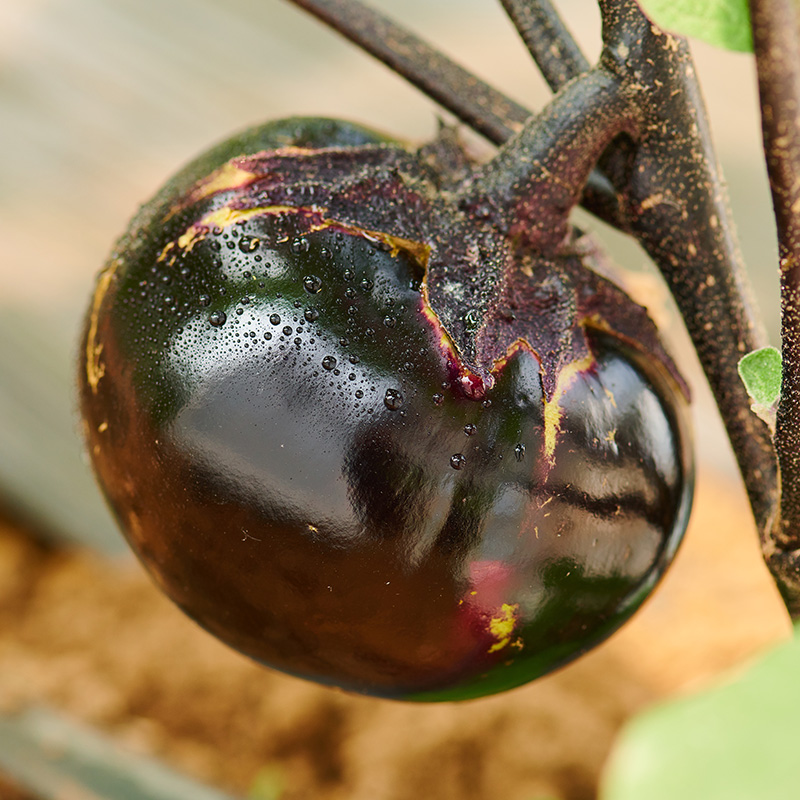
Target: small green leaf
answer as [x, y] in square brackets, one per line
[724, 23]
[761, 373]
[737, 741]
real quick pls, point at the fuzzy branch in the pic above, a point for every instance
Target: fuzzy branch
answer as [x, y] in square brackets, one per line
[776, 39]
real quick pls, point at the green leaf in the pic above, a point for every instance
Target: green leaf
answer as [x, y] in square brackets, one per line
[761, 373]
[735, 742]
[724, 23]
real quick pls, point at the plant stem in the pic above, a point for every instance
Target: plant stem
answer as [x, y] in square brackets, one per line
[474, 102]
[560, 60]
[536, 178]
[677, 209]
[549, 42]
[776, 39]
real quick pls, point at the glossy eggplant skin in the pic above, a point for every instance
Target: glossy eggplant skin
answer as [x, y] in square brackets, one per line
[278, 420]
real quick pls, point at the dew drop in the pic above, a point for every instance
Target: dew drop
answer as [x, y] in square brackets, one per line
[393, 399]
[267, 335]
[472, 320]
[275, 319]
[311, 314]
[217, 318]
[329, 362]
[287, 331]
[299, 246]
[470, 430]
[249, 244]
[353, 359]
[519, 452]
[312, 284]
[325, 253]
[389, 322]
[367, 284]
[438, 399]
[359, 393]
[458, 460]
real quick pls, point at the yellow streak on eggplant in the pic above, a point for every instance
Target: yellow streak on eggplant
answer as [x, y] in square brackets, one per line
[224, 179]
[227, 177]
[162, 256]
[95, 368]
[502, 626]
[444, 340]
[518, 344]
[225, 217]
[419, 251]
[553, 413]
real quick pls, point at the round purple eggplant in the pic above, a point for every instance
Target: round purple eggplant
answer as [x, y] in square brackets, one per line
[366, 435]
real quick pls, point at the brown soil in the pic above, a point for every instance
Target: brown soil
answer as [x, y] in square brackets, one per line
[98, 641]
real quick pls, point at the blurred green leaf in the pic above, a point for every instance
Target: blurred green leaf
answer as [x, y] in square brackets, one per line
[737, 741]
[724, 23]
[269, 784]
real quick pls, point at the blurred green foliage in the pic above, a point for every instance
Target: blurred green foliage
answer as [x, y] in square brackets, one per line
[737, 741]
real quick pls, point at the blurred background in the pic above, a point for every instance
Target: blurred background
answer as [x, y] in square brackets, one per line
[100, 102]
